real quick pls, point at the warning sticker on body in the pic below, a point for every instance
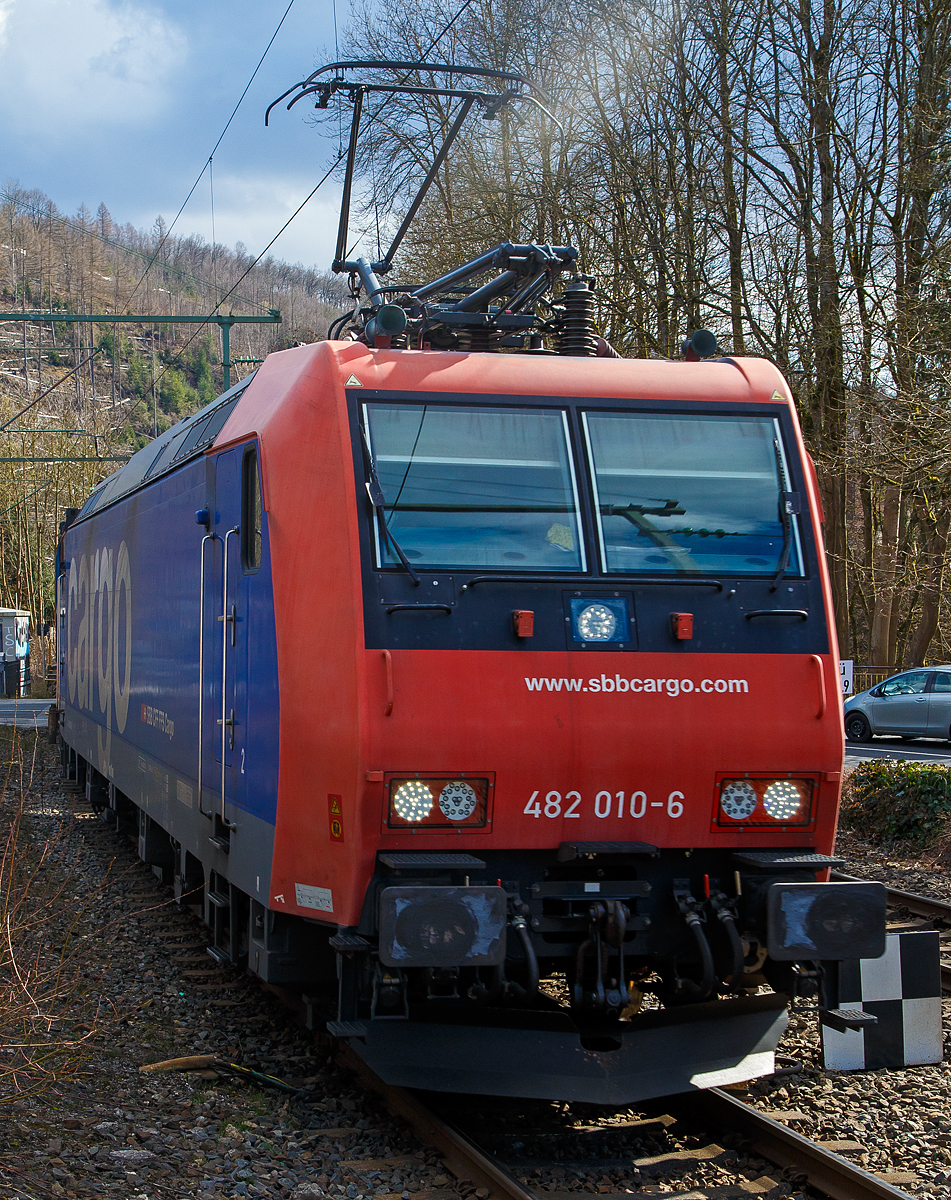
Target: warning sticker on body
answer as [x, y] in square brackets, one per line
[335, 811]
[314, 897]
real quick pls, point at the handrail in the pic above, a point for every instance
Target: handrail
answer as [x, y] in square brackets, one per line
[209, 537]
[224, 662]
[821, 677]
[585, 581]
[446, 608]
[388, 663]
[799, 613]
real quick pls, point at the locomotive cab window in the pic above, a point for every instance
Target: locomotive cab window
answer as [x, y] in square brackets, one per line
[252, 513]
[692, 493]
[475, 487]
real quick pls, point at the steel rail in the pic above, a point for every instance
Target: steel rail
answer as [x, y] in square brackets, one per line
[826, 1171]
[460, 1154]
[921, 906]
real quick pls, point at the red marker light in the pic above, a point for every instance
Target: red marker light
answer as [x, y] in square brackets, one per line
[524, 621]
[706, 886]
[681, 625]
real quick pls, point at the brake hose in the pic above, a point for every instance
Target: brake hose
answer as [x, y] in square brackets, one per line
[520, 925]
[736, 945]
[701, 990]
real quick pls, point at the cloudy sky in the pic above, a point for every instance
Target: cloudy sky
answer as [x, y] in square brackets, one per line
[121, 102]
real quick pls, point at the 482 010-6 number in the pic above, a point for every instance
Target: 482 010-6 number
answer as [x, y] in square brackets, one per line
[620, 804]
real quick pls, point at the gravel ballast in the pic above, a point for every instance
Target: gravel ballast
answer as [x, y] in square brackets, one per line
[149, 992]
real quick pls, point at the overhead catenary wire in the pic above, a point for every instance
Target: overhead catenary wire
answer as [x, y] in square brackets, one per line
[432, 45]
[213, 150]
[22, 500]
[43, 395]
[167, 233]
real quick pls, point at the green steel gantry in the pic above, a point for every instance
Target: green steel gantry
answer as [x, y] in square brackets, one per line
[223, 321]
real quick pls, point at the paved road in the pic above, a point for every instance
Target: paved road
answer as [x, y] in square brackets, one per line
[25, 714]
[923, 750]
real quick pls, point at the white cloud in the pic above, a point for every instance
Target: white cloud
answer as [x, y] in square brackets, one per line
[72, 68]
[251, 208]
[5, 7]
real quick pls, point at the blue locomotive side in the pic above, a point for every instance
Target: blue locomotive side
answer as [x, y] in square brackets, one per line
[166, 621]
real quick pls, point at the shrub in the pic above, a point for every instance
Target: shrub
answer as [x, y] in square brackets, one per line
[175, 396]
[888, 801]
[52, 1009]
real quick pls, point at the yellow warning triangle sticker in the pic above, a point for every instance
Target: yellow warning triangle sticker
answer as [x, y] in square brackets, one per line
[334, 806]
[774, 396]
[353, 382]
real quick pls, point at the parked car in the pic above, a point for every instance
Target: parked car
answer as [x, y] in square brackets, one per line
[915, 703]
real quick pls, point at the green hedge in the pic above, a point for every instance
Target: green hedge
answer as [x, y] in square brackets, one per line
[889, 801]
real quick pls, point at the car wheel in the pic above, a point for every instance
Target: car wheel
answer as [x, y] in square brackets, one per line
[857, 728]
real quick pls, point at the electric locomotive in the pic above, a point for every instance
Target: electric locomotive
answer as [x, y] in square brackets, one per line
[494, 694]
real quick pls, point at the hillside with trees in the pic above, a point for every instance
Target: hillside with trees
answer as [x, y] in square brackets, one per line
[89, 394]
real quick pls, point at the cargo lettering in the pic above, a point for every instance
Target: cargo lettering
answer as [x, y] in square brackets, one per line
[99, 640]
[619, 684]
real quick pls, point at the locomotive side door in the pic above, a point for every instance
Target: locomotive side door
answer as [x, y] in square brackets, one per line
[225, 643]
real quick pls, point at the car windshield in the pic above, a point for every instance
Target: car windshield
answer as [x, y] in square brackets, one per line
[698, 493]
[910, 684]
[476, 487]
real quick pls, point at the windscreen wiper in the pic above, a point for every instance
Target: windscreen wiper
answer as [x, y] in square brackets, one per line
[378, 500]
[788, 508]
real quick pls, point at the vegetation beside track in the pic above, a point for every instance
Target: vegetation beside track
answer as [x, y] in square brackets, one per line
[51, 1017]
[888, 802]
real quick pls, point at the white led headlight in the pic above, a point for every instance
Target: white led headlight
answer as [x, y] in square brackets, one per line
[413, 801]
[782, 800]
[764, 801]
[597, 623]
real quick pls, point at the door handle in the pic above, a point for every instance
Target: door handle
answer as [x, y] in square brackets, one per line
[232, 620]
[388, 664]
[229, 723]
[821, 681]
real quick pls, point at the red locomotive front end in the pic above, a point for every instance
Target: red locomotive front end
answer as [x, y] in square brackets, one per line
[477, 683]
[560, 726]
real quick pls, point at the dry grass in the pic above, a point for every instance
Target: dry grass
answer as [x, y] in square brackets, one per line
[52, 1014]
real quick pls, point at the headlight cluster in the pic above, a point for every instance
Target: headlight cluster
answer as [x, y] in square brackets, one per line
[765, 801]
[597, 619]
[430, 800]
[596, 623]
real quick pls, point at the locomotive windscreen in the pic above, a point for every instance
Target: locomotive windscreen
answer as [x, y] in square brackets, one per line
[477, 487]
[495, 488]
[690, 493]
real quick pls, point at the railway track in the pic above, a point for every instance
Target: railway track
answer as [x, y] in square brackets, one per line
[931, 914]
[823, 1169]
[800, 1158]
[699, 1118]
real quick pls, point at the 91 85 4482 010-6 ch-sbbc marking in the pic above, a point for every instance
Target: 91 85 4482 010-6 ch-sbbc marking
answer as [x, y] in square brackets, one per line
[605, 804]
